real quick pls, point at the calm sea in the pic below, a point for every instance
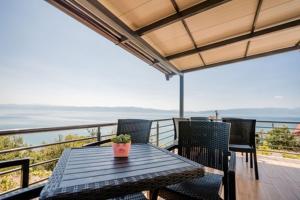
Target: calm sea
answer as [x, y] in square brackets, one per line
[16, 118]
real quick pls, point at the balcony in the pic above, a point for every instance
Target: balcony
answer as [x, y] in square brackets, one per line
[177, 37]
[279, 176]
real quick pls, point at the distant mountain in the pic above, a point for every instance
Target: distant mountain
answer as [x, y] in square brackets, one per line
[266, 112]
[246, 112]
[81, 108]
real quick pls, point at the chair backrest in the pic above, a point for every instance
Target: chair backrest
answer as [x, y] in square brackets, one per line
[176, 126]
[138, 129]
[205, 143]
[242, 131]
[206, 119]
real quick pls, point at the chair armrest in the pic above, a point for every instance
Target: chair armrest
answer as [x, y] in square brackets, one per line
[28, 193]
[24, 162]
[97, 143]
[231, 176]
[16, 162]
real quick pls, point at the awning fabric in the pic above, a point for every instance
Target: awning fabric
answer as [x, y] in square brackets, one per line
[178, 36]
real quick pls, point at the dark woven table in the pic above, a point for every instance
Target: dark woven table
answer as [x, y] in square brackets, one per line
[93, 173]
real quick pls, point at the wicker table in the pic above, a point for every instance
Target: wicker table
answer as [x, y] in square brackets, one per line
[93, 173]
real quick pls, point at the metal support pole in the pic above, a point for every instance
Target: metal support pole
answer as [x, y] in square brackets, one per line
[98, 134]
[157, 133]
[181, 96]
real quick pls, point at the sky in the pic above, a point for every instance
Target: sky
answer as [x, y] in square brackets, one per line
[47, 57]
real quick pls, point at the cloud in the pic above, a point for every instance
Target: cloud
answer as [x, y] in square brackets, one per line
[278, 97]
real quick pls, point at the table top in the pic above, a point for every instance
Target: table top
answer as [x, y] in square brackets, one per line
[93, 172]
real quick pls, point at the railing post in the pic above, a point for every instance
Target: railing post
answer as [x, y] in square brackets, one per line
[181, 96]
[157, 133]
[98, 133]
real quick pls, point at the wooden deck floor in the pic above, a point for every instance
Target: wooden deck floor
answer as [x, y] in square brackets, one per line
[279, 179]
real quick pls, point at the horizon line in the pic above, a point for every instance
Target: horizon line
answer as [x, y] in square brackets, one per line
[147, 108]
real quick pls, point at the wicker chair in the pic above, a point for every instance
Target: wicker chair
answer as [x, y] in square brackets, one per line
[207, 144]
[242, 139]
[176, 126]
[139, 130]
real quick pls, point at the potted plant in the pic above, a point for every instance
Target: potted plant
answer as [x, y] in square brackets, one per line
[121, 145]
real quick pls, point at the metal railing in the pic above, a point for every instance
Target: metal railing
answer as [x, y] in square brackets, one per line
[262, 131]
[162, 134]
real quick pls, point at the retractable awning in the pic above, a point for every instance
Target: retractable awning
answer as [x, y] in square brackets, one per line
[178, 36]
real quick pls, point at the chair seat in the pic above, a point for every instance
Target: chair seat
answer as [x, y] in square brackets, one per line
[240, 147]
[206, 187]
[135, 196]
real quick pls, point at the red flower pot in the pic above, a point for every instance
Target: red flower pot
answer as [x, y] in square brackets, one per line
[121, 149]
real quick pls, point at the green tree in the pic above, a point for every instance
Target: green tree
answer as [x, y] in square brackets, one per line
[281, 138]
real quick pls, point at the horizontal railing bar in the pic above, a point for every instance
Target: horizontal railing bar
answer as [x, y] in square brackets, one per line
[166, 125]
[288, 147]
[32, 165]
[44, 162]
[268, 121]
[277, 127]
[44, 145]
[279, 122]
[17, 188]
[166, 144]
[10, 171]
[166, 137]
[49, 129]
[62, 128]
[107, 135]
[44, 179]
[162, 133]
[168, 131]
[278, 151]
[266, 133]
[160, 120]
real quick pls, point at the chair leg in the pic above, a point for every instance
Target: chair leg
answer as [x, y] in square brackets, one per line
[251, 160]
[246, 157]
[226, 188]
[255, 165]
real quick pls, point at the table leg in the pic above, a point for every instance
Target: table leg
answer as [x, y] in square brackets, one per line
[153, 194]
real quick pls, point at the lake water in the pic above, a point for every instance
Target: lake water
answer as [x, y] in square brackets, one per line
[28, 117]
